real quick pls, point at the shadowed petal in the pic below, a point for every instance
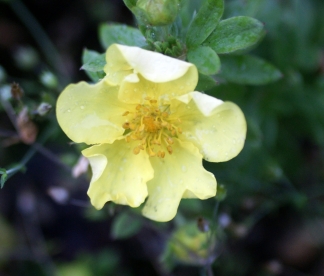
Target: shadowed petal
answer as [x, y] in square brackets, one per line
[116, 177]
[91, 113]
[141, 72]
[217, 128]
[173, 176]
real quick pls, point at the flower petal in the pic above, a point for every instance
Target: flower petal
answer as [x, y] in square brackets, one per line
[117, 175]
[91, 113]
[217, 128]
[158, 74]
[173, 176]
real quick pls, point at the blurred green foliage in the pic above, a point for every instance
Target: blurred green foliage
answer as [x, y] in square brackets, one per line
[275, 184]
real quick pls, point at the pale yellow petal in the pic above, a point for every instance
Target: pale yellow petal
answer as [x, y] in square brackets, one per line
[157, 75]
[91, 113]
[217, 128]
[118, 174]
[173, 176]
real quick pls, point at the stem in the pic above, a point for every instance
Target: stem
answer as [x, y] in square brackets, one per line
[41, 38]
[30, 153]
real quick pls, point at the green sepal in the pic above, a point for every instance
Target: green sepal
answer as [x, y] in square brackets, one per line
[205, 83]
[130, 3]
[96, 64]
[4, 177]
[204, 23]
[248, 70]
[125, 225]
[93, 63]
[120, 34]
[234, 34]
[205, 59]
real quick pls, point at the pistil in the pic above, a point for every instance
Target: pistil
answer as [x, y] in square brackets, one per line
[149, 123]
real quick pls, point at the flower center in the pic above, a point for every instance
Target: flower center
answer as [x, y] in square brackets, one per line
[151, 125]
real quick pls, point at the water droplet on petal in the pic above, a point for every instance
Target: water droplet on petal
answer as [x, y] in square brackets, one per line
[82, 107]
[69, 110]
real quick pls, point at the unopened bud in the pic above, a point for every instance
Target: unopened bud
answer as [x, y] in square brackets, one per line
[43, 109]
[48, 79]
[16, 91]
[26, 57]
[155, 12]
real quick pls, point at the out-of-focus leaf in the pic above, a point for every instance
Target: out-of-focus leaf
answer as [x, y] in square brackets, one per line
[121, 34]
[205, 22]
[96, 64]
[93, 63]
[125, 225]
[205, 82]
[4, 177]
[234, 34]
[248, 70]
[206, 60]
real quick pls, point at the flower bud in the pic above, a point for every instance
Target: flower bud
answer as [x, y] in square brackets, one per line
[48, 79]
[156, 12]
[189, 245]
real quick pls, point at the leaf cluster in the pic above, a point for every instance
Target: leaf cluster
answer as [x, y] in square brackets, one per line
[217, 47]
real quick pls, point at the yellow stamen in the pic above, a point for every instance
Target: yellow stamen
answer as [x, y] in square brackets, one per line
[126, 125]
[151, 126]
[136, 150]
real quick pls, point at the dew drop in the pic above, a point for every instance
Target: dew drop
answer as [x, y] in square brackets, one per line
[69, 110]
[82, 107]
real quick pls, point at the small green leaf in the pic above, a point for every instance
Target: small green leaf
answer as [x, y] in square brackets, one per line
[96, 64]
[248, 70]
[205, 22]
[125, 225]
[121, 34]
[234, 34]
[206, 60]
[205, 82]
[4, 177]
[93, 63]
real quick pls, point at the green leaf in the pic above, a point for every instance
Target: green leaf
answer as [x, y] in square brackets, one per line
[205, 22]
[125, 225]
[121, 34]
[205, 82]
[248, 70]
[206, 60]
[4, 177]
[96, 64]
[234, 34]
[93, 63]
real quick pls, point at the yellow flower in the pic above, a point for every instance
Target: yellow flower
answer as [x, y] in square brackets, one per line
[149, 130]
